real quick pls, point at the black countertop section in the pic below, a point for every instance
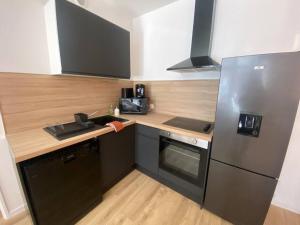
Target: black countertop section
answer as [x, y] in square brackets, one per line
[191, 124]
[68, 130]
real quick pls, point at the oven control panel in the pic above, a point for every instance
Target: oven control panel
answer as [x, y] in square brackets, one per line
[185, 139]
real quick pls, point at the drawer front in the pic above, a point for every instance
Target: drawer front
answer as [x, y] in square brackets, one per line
[147, 131]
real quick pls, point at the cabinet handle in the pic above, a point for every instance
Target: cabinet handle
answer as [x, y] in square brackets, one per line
[69, 158]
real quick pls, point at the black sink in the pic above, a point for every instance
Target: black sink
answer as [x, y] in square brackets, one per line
[68, 130]
[103, 120]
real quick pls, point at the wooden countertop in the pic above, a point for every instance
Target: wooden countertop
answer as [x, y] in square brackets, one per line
[156, 120]
[29, 144]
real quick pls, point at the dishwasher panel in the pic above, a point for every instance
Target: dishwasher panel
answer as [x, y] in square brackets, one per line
[62, 186]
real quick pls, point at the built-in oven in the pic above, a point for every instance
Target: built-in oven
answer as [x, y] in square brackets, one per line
[183, 161]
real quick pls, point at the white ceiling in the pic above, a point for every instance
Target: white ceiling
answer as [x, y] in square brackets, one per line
[134, 8]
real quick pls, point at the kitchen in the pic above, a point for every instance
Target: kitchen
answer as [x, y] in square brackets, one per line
[31, 102]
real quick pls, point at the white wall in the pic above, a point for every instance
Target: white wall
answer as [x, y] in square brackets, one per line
[11, 198]
[255, 26]
[23, 46]
[287, 194]
[162, 38]
[13, 202]
[110, 12]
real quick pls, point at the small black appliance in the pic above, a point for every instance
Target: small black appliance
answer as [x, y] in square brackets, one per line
[133, 105]
[140, 90]
[127, 93]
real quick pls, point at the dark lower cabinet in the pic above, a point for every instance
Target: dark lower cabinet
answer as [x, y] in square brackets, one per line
[117, 156]
[147, 149]
[239, 196]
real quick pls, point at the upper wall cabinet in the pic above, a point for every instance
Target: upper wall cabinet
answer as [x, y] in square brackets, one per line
[81, 42]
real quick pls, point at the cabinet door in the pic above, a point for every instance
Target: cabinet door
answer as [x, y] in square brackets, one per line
[117, 156]
[91, 45]
[147, 148]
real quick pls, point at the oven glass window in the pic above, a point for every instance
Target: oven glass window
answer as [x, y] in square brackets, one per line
[180, 159]
[183, 162]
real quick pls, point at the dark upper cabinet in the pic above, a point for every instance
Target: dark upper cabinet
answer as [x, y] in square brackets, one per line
[116, 155]
[87, 43]
[147, 148]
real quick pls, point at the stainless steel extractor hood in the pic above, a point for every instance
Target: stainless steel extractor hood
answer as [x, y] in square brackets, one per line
[201, 40]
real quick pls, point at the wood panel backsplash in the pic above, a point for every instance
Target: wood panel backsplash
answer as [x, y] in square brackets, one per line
[193, 98]
[34, 101]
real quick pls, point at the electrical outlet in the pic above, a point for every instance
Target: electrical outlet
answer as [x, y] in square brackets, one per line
[151, 106]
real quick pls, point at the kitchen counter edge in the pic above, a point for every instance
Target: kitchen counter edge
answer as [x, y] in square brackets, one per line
[23, 148]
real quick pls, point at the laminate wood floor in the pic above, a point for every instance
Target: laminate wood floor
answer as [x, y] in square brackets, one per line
[140, 200]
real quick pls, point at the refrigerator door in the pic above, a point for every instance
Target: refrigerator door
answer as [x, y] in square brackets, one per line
[238, 196]
[261, 92]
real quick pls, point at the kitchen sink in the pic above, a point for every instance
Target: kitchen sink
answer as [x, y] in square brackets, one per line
[68, 130]
[103, 120]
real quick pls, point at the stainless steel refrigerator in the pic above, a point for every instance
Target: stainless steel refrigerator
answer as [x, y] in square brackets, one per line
[257, 104]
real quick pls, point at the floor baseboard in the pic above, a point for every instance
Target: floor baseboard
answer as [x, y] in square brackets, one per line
[17, 211]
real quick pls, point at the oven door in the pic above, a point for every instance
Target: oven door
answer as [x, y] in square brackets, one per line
[183, 160]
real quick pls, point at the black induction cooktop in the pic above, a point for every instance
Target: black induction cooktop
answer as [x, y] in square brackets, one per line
[191, 124]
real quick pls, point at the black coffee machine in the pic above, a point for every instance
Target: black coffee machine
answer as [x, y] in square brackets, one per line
[140, 90]
[134, 105]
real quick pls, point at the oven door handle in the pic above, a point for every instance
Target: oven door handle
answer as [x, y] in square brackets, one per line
[181, 145]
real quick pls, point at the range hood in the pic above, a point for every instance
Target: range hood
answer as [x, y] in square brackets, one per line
[201, 40]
